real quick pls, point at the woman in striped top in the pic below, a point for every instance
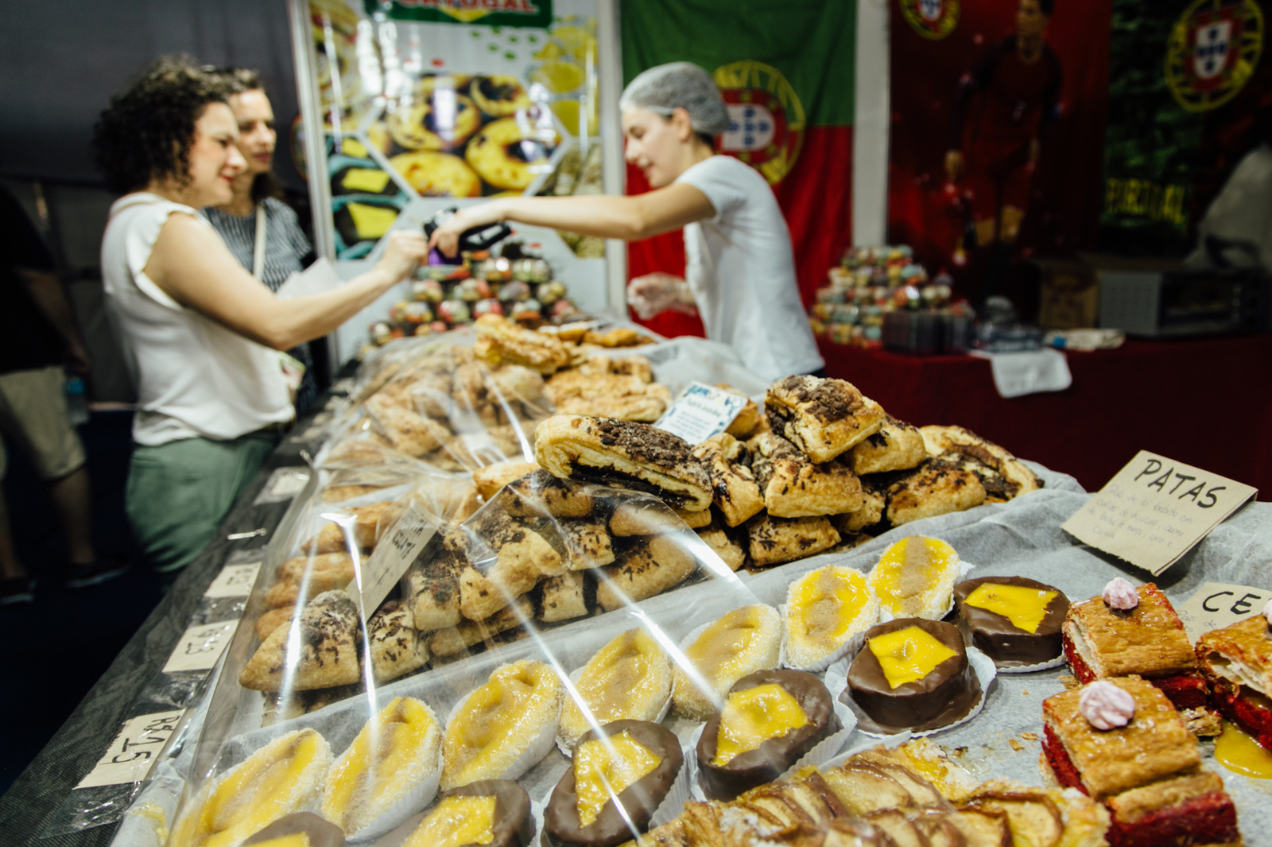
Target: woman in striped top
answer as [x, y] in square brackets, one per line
[286, 248]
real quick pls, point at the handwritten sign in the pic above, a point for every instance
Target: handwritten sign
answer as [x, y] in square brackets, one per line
[700, 412]
[201, 647]
[134, 750]
[234, 581]
[387, 564]
[1155, 510]
[1217, 604]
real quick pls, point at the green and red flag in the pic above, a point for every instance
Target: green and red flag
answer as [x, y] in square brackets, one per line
[787, 73]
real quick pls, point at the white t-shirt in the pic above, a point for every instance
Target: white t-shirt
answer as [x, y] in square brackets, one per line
[741, 270]
[194, 376]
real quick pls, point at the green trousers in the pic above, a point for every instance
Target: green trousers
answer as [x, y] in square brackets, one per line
[179, 492]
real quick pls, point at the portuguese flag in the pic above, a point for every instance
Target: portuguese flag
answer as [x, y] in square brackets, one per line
[786, 69]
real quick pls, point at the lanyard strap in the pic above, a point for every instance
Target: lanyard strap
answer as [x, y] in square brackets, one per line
[258, 257]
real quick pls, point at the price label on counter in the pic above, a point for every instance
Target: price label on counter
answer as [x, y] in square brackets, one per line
[392, 556]
[283, 484]
[201, 647]
[1155, 510]
[700, 412]
[134, 751]
[234, 581]
[1217, 604]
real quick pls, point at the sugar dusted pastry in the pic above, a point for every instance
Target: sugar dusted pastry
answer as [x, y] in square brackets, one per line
[500, 341]
[897, 446]
[644, 567]
[328, 644]
[825, 609]
[822, 417]
[741, 642]
[623, 454]
[774, 540]
[794, 487]
[397, 647]
[1237, 662]
[500, 729]
[283, 777]
[737, 494]
[915, 577]
[1001, 474]
[627, 679]
[935, 487]
[1147, 771]
[489, 812]
[396, 752]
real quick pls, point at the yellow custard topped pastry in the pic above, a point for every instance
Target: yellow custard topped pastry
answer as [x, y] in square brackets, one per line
[605, 768]
[753, 716]
[456, 821]
[824, 609]
[915, 577]
[394, 752]
[627, 679]
[1025, 607]
[738, 644]
[908, 655]
[499, 722]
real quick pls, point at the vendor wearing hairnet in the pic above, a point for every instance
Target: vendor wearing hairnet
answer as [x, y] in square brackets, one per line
[740, 269]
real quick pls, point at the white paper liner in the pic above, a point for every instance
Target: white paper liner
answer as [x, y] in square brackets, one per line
[687, 642]
[575, 674]
[836, 680]
[822, 752]
[849, 647]
[414, 801]
[1043, 666]
[534, 752]
[964, 568]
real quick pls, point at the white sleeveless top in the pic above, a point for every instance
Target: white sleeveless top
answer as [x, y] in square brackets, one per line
[194, 376]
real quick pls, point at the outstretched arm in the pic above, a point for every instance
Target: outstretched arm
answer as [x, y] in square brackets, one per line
[193, 266]
[606, 216]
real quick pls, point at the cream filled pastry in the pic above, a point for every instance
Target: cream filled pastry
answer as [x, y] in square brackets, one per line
[508, 717]
[915, 577]
[824, 610]
[395, 751]
[742, 642]
[627, 679]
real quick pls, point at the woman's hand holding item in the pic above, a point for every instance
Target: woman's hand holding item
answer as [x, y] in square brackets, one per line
[402, 252]
[446, 237]
[657, 292]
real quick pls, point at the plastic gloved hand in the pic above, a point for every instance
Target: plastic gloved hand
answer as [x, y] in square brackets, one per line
[657, 292]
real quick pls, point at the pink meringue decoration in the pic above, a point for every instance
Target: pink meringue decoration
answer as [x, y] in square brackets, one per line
[1120, 594]
[1105, 706]
[1267, 612]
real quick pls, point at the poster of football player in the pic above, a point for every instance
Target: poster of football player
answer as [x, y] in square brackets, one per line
[998, 112]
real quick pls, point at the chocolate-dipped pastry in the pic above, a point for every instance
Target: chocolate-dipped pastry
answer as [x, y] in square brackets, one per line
[768, 721]
[912, 674]
[1013, 620]
[318, 832]
[486, 813]
[582, 810]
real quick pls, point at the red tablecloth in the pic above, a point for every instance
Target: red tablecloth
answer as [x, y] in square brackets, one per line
[1206, 402]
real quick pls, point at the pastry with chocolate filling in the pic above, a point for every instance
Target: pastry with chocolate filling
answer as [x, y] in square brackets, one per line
[539, 493]
[618, 777]
[396, 645]
[1013, 620]
[1142, 635]
[455, 640]
[794, 487]
[370, 523]
[915, 577]
[627, 679]
[874, 500]
[623, 454]
[936, 487]
[736, 493]
[825, 609]
[822, 417]
[773, 540]
[643, 567]
[1002, 474]
[564, 597]
[1237, 662]
[768, 721]
[494, 477]
[431, 586]
[1125, 746]
[724, 543]
[912, 674]
[740, 643]
[328, 646]
[489, 812]
[897, 446]
[608, 395]
[284, 832]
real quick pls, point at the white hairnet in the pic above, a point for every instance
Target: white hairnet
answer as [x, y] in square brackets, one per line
[679, 85]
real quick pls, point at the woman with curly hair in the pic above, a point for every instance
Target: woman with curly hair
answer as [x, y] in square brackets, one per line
[200, 332]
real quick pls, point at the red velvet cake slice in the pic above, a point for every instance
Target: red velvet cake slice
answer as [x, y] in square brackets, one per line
[1136, 631]
[1121, 742]
[1237, 662]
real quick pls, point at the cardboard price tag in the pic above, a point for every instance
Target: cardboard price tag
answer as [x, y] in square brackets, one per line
[1155, 510]
[1217, 604]
[201, 647]
[700, 412]
[234, 581]
[392, 556]
[134, 750]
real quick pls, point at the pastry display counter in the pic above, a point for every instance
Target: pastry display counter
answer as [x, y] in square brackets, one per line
[492, 652]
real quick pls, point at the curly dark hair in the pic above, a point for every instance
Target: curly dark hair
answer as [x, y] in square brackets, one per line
[237, 81]
[146, 131]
